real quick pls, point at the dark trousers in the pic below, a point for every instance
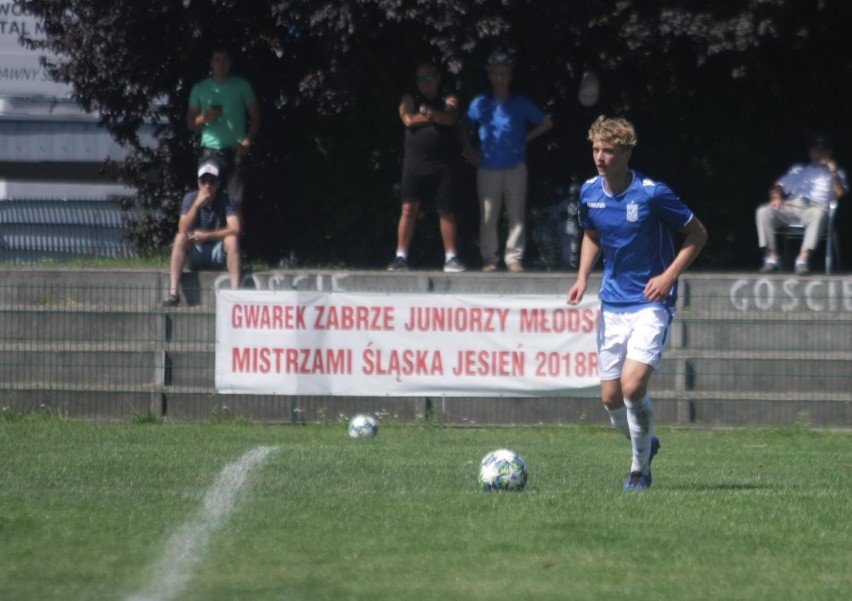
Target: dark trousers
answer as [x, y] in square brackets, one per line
[231, 165]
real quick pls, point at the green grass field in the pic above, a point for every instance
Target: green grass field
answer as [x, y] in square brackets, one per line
[89, 511]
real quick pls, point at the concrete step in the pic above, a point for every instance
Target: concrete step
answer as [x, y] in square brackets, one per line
[763, 332]
[72, 367]
[112, 325]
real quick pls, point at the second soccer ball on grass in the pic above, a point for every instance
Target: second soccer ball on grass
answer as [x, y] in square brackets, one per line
[502, 469]
[363, 426]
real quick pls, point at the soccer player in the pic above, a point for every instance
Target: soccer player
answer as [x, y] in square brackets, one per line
[648, 237]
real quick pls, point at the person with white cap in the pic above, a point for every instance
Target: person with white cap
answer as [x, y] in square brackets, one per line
[208, 232]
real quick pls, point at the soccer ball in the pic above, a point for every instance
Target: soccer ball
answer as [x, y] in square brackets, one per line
[363, 426]
[502, 469]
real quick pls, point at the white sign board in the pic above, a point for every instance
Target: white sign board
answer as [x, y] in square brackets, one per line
[373, 344]
[20, 71]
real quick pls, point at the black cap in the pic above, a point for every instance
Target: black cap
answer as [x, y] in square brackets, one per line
[820, 140]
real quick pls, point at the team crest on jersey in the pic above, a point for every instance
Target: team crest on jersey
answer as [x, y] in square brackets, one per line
[632, 212]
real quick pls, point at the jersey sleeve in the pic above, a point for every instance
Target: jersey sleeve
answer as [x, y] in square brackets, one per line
[669, 208]
[583, 208]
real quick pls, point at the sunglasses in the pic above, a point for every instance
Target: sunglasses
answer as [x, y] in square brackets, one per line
[431, 77]
[209, 180]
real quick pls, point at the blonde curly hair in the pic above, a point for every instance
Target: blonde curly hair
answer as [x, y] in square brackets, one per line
[613, 130]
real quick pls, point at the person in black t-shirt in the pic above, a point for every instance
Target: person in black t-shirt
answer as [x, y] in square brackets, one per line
[427, 166]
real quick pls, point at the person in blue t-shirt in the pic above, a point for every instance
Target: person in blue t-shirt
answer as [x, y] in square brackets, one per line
[505, 123]
[647, 237]
[801, 196]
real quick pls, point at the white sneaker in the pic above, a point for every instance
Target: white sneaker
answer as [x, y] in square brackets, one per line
[453, 266]
[769, 266]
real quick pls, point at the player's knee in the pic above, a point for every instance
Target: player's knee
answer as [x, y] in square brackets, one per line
[633, 389]
[410, 209]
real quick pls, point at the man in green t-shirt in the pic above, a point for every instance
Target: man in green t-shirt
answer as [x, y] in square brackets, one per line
[224, 109]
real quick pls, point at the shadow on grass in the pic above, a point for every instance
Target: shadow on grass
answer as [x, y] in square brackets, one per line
[732, 486]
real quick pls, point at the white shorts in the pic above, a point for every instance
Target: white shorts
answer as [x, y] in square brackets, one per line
[638, 335]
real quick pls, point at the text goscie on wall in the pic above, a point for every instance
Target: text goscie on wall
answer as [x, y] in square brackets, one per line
[365, 344]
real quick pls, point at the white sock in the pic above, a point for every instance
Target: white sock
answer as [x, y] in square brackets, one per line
[402, 254]
[450, 255]
[640, 419]
[618, 419]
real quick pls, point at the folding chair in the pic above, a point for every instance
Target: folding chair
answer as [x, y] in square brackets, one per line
[796, 231]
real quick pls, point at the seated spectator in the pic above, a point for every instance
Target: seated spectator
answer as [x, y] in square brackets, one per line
[801, 196]
[208, 232]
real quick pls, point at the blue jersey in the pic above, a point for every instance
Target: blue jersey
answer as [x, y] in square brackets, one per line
[638, 236]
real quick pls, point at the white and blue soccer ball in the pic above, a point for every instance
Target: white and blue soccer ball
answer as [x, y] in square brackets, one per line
[502, 469]
[363, 425]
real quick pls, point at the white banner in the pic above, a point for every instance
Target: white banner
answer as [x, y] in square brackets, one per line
[370, 344]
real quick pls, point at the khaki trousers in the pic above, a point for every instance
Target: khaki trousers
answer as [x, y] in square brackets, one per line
[814, 216]
[493, 187]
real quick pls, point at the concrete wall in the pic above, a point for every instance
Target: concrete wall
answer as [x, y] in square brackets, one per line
[96, 344]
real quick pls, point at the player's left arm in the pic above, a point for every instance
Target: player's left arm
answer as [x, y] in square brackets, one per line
[694, 238]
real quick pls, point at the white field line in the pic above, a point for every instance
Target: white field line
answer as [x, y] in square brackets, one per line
[187, 545]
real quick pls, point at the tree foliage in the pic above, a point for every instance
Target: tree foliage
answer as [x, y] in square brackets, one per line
[722, 94]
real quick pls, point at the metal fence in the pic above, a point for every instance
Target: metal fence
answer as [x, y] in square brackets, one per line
[97, 344]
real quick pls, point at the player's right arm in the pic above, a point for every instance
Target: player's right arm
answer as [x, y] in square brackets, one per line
[590, 250]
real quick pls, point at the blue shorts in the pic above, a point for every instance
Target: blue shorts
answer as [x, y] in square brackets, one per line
[207, 255]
